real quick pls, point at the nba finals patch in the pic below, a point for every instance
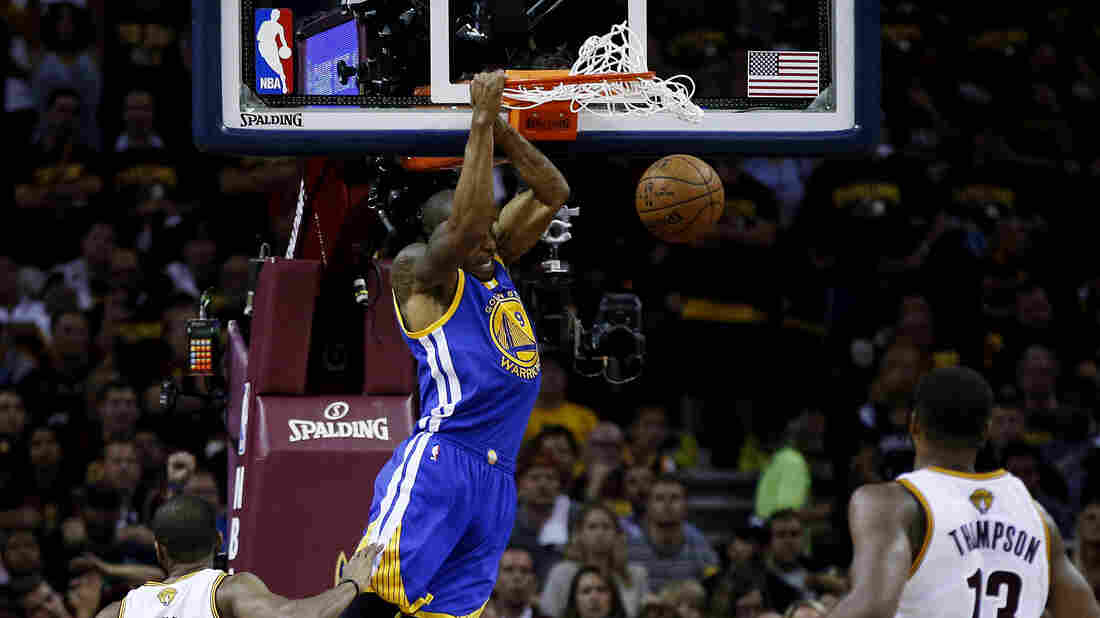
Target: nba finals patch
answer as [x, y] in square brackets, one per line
[165, 596]
[513, 335]
[982, 500]
[274, 53]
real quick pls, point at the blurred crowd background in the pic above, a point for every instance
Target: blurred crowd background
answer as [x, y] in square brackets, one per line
[782, 349]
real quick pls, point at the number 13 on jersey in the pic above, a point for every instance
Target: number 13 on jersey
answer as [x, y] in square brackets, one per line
[994, 584]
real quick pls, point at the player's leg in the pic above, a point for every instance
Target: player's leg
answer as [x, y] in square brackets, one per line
[278, 66]
[270, 54]
[370, 606]
[419, 515]
[464, 582]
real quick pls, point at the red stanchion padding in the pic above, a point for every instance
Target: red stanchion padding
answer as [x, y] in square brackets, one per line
[240, 399]
[305, 482]
[327, 192]
[282, 325]
[388, 367]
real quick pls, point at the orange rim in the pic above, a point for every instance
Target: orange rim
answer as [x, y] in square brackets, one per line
[438, 164]
[543, 82]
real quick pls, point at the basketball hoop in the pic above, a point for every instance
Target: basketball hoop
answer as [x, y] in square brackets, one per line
[609, 78]
[437, 164]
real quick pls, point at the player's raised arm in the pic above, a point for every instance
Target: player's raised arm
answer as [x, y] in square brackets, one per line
[246, 596]
[110, 611]
[474, 208]
[880, 516]
[527, 215]
[1070, 595]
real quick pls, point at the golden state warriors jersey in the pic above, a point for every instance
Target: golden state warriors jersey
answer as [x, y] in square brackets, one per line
[478, 366]
[986, 551]
[191, 596]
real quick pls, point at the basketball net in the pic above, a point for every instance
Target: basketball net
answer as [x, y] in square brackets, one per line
[298, 212]
[617, 52]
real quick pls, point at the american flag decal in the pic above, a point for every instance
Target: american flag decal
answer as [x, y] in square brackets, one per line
[784, 74]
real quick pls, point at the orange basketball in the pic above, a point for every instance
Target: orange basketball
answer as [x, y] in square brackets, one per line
[679, 197]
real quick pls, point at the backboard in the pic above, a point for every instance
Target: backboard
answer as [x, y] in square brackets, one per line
[297, 77]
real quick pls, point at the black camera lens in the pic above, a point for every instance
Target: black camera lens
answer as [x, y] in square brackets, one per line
[617, 342]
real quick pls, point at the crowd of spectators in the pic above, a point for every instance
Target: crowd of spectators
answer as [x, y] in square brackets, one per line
[783, 346]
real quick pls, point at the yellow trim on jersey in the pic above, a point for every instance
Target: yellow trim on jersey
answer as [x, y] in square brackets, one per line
[492, 284]
[388, 585]
[474, 614]
[363, 542]
[214, 595]
[974, 476]
[122, 607]
[1046, 533]
[929, 524]
[178, 579]
[386, 581]
[442, 319]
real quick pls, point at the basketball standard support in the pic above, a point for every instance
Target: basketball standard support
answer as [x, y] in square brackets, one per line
[301, 473]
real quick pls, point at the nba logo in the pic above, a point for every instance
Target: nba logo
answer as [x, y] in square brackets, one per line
[435, 452]
[274, 54]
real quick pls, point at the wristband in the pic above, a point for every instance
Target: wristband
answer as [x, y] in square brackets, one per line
[352, 582]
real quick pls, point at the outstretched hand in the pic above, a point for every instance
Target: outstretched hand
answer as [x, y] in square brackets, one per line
[88, 562]
[180, 466]
[359, 568]
[485, 93]
[85, 594]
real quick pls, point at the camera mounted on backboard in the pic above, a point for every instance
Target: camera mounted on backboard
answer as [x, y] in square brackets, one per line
[555, 235]
[614, 347]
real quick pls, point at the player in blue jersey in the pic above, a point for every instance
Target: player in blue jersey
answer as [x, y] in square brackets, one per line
[445, 503]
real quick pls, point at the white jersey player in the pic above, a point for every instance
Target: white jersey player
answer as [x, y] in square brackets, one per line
[944, 542]
[186, 538]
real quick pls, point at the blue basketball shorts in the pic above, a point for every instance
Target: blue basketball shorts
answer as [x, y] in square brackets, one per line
[444, 512]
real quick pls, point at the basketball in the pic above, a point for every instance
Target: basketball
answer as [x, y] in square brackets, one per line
[679, 197]
[284, 52]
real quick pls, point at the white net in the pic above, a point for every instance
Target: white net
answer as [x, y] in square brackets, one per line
[292, 246]
[619, 51]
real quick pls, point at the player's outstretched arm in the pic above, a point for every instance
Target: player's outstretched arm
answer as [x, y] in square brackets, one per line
[474, 209]
[527, 215]
[246, 596]
[111, 611]
[879, 517]
[1070, 595]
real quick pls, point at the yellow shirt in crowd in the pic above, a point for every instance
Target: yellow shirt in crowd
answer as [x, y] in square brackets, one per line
[578, 419]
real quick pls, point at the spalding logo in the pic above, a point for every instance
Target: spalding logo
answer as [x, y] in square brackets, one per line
[374, 429]
[336, 410]
[278, 120]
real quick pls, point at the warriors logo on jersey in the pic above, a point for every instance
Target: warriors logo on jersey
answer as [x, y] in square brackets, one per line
[165, 596]
[513, 334]
[982, 500]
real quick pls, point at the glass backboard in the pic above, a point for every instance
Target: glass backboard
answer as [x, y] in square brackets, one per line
[297, 77]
